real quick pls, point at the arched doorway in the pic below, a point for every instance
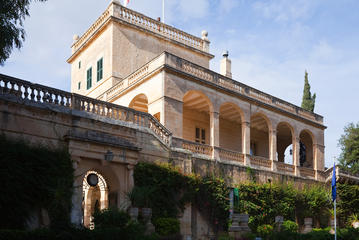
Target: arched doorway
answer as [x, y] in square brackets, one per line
[196, 117]
[306, 149]
[285, 143]
[139, 103]
[95, 196]
[230, 127]
[259, 145]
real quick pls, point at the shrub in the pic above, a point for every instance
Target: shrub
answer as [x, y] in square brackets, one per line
[264, 230]
[289, 226]
[111, 218]
[167, 226]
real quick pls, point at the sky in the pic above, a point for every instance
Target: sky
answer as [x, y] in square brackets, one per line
[270, 42]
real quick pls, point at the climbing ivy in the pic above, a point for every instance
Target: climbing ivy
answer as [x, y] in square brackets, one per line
[34, 177]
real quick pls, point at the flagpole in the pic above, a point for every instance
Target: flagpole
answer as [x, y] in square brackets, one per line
[335, 219]
[163, 11]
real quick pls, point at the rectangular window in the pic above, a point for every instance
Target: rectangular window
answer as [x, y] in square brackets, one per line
[89, 78]
[200, 135]
[79, 85]
[79, 64]
[99, 69]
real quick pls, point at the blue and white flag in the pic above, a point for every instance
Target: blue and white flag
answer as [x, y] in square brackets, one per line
[334, 185]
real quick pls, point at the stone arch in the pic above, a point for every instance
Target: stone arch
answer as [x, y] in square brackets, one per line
[196, 117]
[94, 196]
[230, 126]
[259, 134]
[139, 103]
[306, 149]
[285, 139]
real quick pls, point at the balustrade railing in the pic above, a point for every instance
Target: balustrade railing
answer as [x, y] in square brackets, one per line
[284, 167]
[196, 147]
[307, 172]
[231, 155]
[218, 79]
[260, 161]
[140, 20]
[27, 91]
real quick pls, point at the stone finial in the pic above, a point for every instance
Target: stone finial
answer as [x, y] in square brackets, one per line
[75, 38]
[204, 35]
[226, 65]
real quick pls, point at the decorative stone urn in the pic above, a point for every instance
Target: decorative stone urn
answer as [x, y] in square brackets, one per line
[308, 225]
[278, 222]
[133, 212]
[146, 215]
[239, 225]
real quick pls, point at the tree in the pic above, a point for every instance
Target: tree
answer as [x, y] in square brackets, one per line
[349, 143]
[12, 33]
[308, 101]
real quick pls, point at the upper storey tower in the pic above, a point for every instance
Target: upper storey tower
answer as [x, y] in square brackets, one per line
[121, 41]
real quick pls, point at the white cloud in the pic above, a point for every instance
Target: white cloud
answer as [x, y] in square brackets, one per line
[284, 10]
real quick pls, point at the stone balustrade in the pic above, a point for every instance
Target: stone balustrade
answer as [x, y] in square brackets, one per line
[231, 155]
[307, 172]
[285, 168]
[261, 162]
[27, 91]
[196, 147]
[132, 17]
[160, 28]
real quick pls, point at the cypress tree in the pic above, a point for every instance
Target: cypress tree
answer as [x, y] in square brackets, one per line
[308, 101]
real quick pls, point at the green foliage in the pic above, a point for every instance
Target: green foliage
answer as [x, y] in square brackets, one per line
[173, 190]
[264, 230]
[265, 201]
[348, 203]
[12, 14]
[110, 218]
[316, 203]
[132, 232]
[308, 101]
[289, 226]
[34, 177]
[141, 196]
[349, 144]
[167, 226]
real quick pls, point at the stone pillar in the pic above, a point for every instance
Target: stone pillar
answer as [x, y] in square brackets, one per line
[296, 160]
[76, 210]
[214, 138]
[318, 158]
[246, 141]
[273, 148]
[131, 182]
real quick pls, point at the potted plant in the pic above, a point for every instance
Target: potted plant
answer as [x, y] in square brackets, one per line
[140, 197]
[308, 221]
[354, 220]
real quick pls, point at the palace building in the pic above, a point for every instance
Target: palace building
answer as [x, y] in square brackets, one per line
[142, 90]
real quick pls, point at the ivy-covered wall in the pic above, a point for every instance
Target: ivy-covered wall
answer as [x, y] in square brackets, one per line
[32, 178]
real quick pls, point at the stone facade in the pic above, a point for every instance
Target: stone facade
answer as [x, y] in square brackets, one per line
[156, 100]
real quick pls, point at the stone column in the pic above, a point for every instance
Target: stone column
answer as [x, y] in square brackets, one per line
[296, 160]
[318, 159]
[214, 137]
[131, 182]
[76, 210]
[273, 149]
[246, 141]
